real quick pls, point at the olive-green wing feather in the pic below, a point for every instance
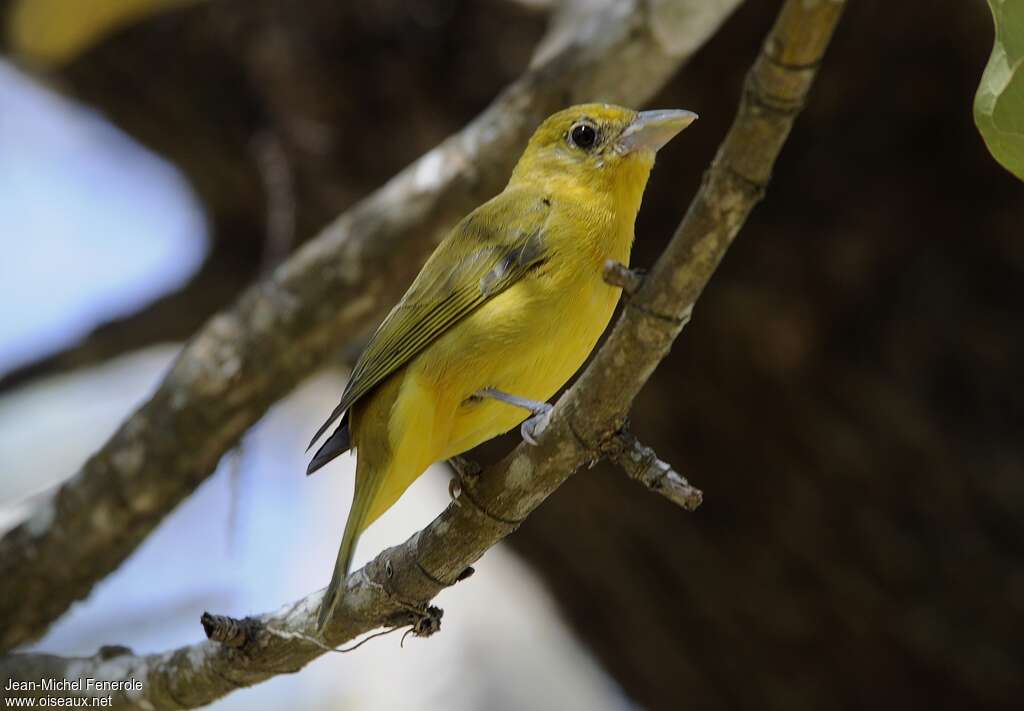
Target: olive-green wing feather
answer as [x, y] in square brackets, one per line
[486, 253]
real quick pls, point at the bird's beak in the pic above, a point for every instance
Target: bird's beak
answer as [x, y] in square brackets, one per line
[651, 130]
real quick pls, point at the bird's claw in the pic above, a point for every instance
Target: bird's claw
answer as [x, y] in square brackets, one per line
[455, 490]
[466, 470]
[541, 411]
[534, 427]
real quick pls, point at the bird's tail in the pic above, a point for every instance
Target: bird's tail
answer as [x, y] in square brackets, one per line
[337, 444]
[358, 520]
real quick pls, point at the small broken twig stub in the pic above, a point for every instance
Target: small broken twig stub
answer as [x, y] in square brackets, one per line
[229, 631]
[618, 274]
[642, 464]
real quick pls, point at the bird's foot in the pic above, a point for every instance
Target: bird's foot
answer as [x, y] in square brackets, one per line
[531, 428]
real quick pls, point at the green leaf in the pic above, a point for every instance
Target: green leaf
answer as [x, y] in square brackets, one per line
[999, 103]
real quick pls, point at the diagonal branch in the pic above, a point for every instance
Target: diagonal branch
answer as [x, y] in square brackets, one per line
[249, 356]
[395, 588]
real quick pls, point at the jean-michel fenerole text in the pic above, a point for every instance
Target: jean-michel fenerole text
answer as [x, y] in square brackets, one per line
[87, 684]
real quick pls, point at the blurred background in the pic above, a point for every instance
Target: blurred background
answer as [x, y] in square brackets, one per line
[849, 394]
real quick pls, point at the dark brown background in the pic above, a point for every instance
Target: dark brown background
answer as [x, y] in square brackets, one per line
[848, 395]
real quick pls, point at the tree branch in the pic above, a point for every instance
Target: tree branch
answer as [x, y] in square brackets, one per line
[395, 587]
[247, 357]
[642, 464]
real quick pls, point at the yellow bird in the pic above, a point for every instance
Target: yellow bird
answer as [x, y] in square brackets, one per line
[503, 313]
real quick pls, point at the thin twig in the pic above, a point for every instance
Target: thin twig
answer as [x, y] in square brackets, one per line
[279, 186]
[642, 464]
[284, 634]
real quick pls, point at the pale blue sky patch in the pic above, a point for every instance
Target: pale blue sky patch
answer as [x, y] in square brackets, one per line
[91, 224]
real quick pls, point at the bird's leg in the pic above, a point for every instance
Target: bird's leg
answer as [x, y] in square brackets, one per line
[534, 426]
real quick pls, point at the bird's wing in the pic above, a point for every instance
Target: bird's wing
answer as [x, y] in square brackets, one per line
[490, 250]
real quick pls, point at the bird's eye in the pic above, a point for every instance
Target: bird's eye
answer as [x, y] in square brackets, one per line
[583, 135]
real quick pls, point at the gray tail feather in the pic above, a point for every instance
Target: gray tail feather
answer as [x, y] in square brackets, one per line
[338, 443]
[339, 411]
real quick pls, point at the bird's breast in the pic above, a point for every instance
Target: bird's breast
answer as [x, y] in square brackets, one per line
[527, 341]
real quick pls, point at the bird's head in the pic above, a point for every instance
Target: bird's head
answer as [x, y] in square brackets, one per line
[599, 147]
